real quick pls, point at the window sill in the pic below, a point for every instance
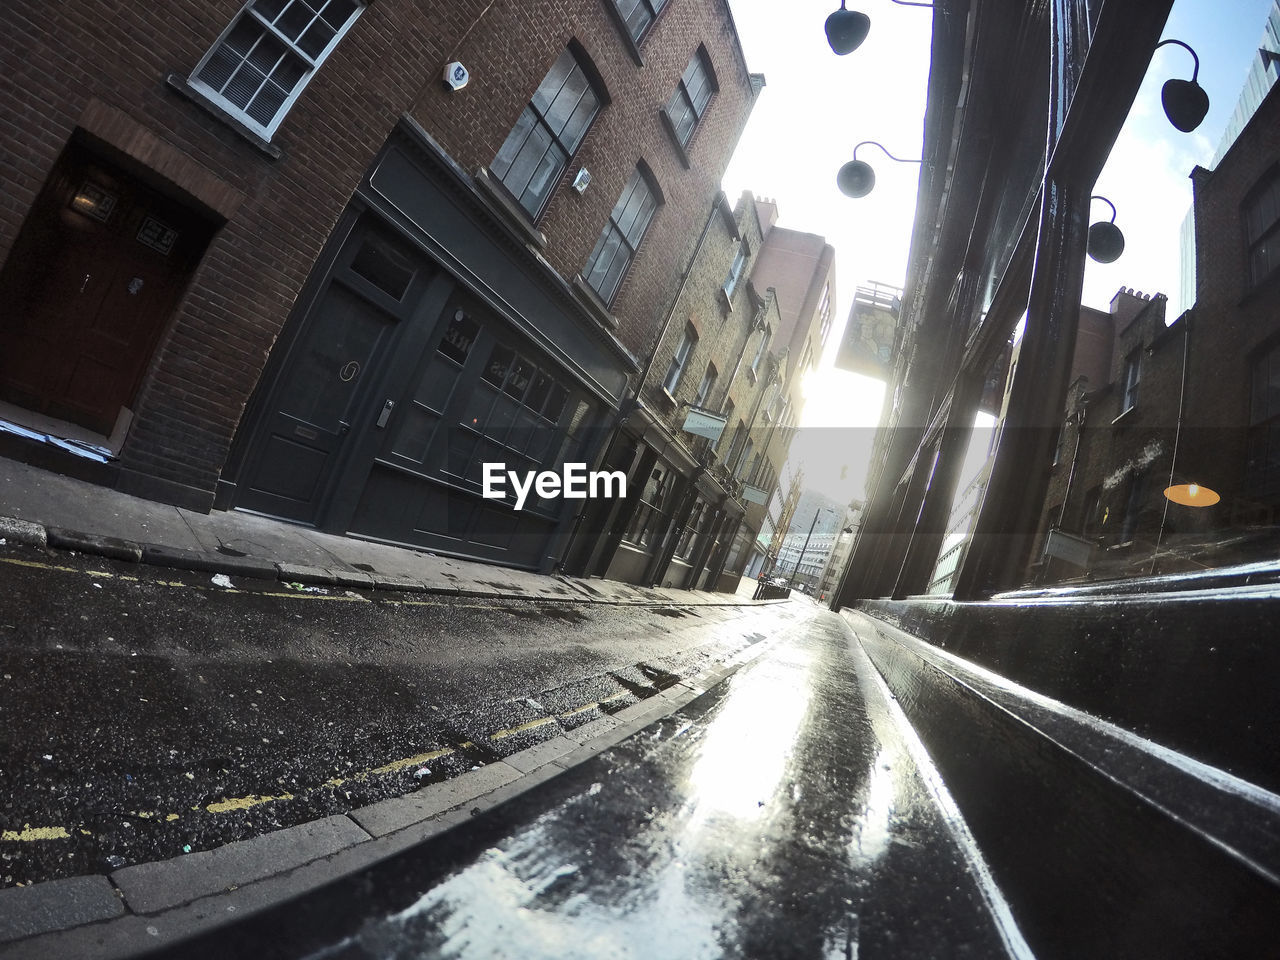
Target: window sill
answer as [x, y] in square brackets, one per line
[726, 301]
[1124, 413]
[595, 306]
[667, 397]
[670, 127]
[179, 85]
[510, 211]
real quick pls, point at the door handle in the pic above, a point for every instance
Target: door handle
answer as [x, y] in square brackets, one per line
[343, 427]
[385, 415]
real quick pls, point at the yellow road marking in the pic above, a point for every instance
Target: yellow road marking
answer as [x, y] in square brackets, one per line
[29, 833]
[244, 803]
[582, 709]
[38, 565]
[523, 727]
[395, 765]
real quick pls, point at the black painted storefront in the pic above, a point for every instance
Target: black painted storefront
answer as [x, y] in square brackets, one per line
[429, 342]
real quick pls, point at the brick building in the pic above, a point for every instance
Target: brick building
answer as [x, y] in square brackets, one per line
[707, 435]
[1187, 401]
[258, 255]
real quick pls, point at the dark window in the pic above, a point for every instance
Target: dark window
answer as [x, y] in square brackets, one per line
[675, 370]
[650, 518]
[708, 384]
[1262, 229]
[550, 130]
[690, 100]
[621, 236]
[639, 15]
[735, 270]
[1132, 377]
[1262, 468]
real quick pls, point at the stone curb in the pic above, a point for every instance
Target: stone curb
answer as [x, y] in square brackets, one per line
[34, 534]
[149, 905]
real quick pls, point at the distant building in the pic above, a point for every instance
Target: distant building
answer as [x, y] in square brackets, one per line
[810, 538]
[706, 438]
[871, 332]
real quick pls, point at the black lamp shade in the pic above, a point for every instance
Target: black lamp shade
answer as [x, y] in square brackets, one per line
[856, 178]
[846, 29]
[1185, 103]
[1106, 242]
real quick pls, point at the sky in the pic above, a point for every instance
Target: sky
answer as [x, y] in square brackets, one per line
[816, 106]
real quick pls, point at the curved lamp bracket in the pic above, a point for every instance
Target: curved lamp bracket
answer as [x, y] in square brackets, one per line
[1185, 101]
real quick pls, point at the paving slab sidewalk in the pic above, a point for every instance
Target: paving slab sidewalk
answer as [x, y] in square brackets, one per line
[46, 509]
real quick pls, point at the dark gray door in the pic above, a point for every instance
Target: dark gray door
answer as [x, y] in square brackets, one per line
[330, 389]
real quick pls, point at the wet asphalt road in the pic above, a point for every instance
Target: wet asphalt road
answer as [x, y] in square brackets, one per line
[782, 814]
[145, 713]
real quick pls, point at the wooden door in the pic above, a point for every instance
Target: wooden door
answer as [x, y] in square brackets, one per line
[89, 288]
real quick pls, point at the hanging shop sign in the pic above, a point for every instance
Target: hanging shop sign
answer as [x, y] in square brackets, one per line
[704, 423]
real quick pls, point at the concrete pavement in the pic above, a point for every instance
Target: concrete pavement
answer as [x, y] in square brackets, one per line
[46, 509]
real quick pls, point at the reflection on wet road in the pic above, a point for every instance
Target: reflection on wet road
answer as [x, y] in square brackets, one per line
[780, 815]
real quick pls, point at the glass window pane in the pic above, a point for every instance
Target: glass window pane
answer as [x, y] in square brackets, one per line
[268, 9]
[244, 35]
[521, 376]
[500, 358]
[566, 100]
[573, 132]
[386, 264]
[267, 53]
[553, 81]
[288, 72]
[244, 85]
[267, 103]
[543, 181]
[458, 337]
[511, 147]
[220, 67]
[295, 19]
[317, 37]
[338, 12]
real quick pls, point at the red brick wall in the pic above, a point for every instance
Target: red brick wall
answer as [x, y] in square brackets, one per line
[65, 58]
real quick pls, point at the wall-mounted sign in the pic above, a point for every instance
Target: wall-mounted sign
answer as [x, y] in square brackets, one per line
[704, 423]
[157, 235]
[753, 494]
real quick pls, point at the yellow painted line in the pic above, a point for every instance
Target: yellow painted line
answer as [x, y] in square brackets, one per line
[414, 761]
[523, 727]
[244, 803]
[100, 573]
[293, 595]
[38, 565]
[582, 709]
[615, 696]
[29, 833]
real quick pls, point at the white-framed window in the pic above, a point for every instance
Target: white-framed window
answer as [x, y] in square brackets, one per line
[678, 362]
[692, 94]
[707, 385]
[735, 270]
[1132, 377]
[621, 236]
[550, 130]
[267, 55]
[764, 344]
